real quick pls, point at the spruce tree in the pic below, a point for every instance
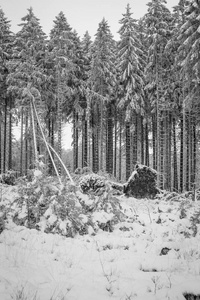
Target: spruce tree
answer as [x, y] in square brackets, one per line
[6, 101]
[158, 22]
[132, 80]
[26, 72]
[102, 80]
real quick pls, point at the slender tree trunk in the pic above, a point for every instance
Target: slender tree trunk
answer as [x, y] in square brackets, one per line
[175, 177]
[142, 140]
[101, 131]
[154, 137]
[135, 141]
[49, 140]
[115, 146]
[128, 159]
[181, 154]
[169, 160]
[59, 116]
[109, 140]
[147, 144]
[84, 141]
[120, 151]
[188, 148]
[75, 140]
[5, 136]
[26, 141]
[95, 148]
[22, 143]
[10, 136]
[193, 177]
[161, 155]
[0, 144]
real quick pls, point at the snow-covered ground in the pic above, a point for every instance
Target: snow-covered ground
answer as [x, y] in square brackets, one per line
[156, 256]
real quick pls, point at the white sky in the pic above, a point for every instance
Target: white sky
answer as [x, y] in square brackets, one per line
[82, 15]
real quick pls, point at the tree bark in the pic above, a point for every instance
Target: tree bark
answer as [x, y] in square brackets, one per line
[128, 159]
[175, 177]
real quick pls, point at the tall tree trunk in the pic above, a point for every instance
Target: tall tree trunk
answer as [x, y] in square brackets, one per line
[120, 150]
[22, 142]
[75, 140]
[175, 177]
[128, 158]
[95, 147]
[101, 133]
[135, 140]
[193, 177]
[161, 170]
[10, 136]
[169, 159]
[182, 151]
[109, 157]
[26, 141]
[142, 140]
[84, 141]
[154, 137]
[49, 139]
[188, 155]
[5, 136]
[59, 113]
[115, 146]
[0, 143]
[146, 144]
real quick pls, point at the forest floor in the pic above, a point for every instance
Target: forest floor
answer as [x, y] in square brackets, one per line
[156, 256]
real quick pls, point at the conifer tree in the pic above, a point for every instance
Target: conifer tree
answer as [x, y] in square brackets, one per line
[132, 80]
[158, 22]
[188, 59]
[86, 45]
[26, 73]
[102, 78]
[6, 39]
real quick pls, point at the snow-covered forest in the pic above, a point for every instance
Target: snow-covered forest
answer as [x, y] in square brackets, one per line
[118, 216]
[129, 101]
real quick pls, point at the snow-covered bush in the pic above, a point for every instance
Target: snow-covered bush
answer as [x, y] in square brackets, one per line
[44, 205]
[93, 183]
[8, 178]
